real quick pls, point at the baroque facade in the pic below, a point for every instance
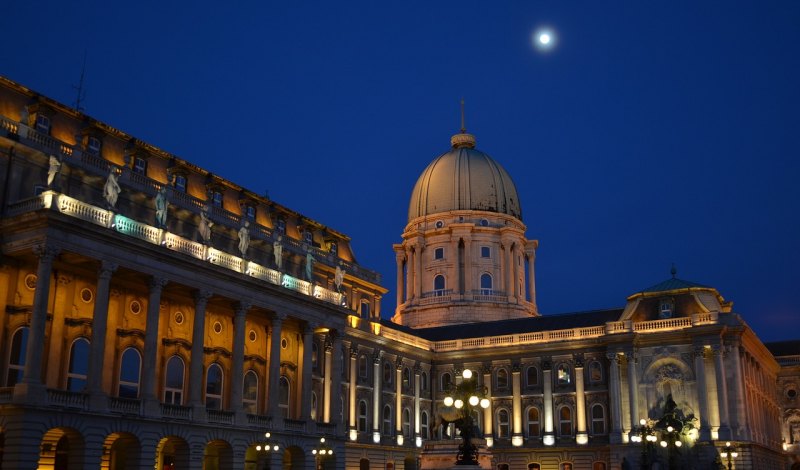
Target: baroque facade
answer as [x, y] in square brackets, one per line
[155, 315]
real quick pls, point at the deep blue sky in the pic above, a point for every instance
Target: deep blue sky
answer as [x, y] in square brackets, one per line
[656, 132]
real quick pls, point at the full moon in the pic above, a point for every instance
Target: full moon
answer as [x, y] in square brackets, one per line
[544, 39]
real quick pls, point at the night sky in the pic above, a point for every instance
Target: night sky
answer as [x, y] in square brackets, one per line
[653, 133]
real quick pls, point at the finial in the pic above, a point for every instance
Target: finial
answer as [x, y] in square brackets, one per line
[463, 126]
[673, 271]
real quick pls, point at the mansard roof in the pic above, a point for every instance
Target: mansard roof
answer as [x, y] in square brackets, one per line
[513, 326]
[673, 284]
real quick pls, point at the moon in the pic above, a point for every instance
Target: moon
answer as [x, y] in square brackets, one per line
[544, 39]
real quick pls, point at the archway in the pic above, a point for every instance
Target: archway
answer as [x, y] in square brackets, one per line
[172, 452]
[410, 463]
[61, 449]
[294, 458]
[218, 455]
[363, 464]
[121, 451]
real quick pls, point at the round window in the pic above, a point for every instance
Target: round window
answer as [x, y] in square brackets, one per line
[439, 224]
[86, 295]
[253, 336]
[484, 223]
[135, 307]
[217, 327]
[284, 343]
[179, 318]
[30, 281]
[791, 393]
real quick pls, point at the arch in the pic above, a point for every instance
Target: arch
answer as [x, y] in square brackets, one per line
[534, 466]
[595, 372]
[130, 371]
[501, 379]
[61, 448]
[363, 367]
[565, 421]
[447, 381]
[364, 308]
[439, 284]
[387, 420]
[363, 464]
[16, 356]
[564, 374]
[294, 458]
[406, 423]
[532, 376]
[599, 466]
[218, 455]
[172, 452]
[78, 367]
[214, 384]
[410, 463]
[406, 378]
[423, 381]
[122, 451]
[173, 381]
[284, 392]
[598, 419]
[533, 422]
[250, 391]
[387, 373]
[423, 425]
[362, 420]
[503, 424]
[486, 284]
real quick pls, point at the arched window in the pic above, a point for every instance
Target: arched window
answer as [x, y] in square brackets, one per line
[364, 308]
[502, 378]
[406, 378]
[387, 420]
[486, 284]
[387, 373]
[130, 372]
[423, 381]
[362, 416]
[423, 425]
[363, 464]
[595, 372]
[534, 428]
[598, 419]
[599, 466]
[531, 376]
[78, 365]
[250, 392]
[438, 285]
[173, 385]
[534, 466]
[214, 387]
[447, 381]
[503, 431]
[313, 406]
[16, 358]
[564, 376]
[284, 389]
[565, 421]
[406, 423]
[363, 368]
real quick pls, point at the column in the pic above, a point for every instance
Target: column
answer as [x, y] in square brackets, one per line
[326, 384]
[275, 366]
[237, 374]
[722, 393]
[513, 272]
[31, 387]
[198, 355]
[352, 390]
[306, 371]
[418, 267]
[508, 286]
[702, 393]
[150, 352]
[487, 413]
[633, 389]
[456, 254]
[735, 352]
[417, 386]
[531, 252]
[398, 401]
[376, 397]
[468, 282]
[399, 257]
[547, 377]
[516, 401]
[615, 398]
[97, 347]
[409, 274]
[581, 437]
[502, 257]
[336, 381]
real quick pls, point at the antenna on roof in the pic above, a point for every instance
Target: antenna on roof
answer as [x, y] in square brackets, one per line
[81, 93]
[673, 271]
[463, 126]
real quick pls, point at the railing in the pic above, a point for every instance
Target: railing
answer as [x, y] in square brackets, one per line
[8, 125]
[176, 411]
[405, 338]
[125, 405]
[327, 295]
[294, 425]
[219, 416]
[665, 324]
[83, 211]
[326, 428]
[265, 274]
[26, 205]
[788, 360]
[138, 230]
[182, 245]
[220, 258]
[263, 422]
[66, 399]
[295, 284]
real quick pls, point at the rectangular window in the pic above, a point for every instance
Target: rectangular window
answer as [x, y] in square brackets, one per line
[140, 165]
[42, 123]
[438, 253]
[93, 146]
[308, 236]
[216, 198]
[180, 183]
[486, 252]
[250, 212]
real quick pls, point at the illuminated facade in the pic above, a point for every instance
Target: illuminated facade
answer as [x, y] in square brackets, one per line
[155, 315]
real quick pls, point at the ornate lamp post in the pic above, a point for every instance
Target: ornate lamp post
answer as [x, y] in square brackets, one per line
[321, 452]
[267, 447]
[465, 397]
[729, 453]
[647, 436]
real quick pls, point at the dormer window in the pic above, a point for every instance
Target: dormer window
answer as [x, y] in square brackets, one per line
[93, 146]
[180, 183]
[334, 249]
[486, 252]
[140, 165]
[308, 236]
[280, 226]
[666, 308]
[42, 123]
[438, 253]
[250, 212]
[216, 198]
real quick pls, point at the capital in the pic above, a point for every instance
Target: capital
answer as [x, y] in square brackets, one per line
[309, 328]
[157, 283]
[579, 360]
[46, 252]
[242, 307]
[699, 351]
[398, 364]
[353, 351]
[201, 296]
[278, 318]
[107, 268]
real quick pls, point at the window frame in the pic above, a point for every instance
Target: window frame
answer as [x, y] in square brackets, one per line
[181, 183]
[362, 418]
[406, 423]
[598, 421]
[249, 402]
[486, 252]
[139, 165]
[530, 422]
[565, 422]
[173, 391]
[214, 401]
[439, 280]
[503, 428]
[387, 420]
[77, 381]
[18, 368]
[94, 145]
[438, 253]
[567, 378]
[504, 385]
[42, 123]
[487, 290]
[127, 383]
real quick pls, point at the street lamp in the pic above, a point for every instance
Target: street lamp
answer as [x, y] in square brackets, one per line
[321, 452]
[647, 436]
[729, 453]
[267, 447]
[464, 397]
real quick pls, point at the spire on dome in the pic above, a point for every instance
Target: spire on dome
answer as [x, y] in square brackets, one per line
[463, 139]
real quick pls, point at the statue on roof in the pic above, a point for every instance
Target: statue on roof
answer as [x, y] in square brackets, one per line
[52, 171]
[161, 207]
[277, 251]
[205, 225]
[244, 238]
[112, 189]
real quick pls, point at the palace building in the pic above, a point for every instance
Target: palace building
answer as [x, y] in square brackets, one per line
[155, 315]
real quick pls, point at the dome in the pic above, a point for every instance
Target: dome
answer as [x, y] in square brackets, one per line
[464, 178]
